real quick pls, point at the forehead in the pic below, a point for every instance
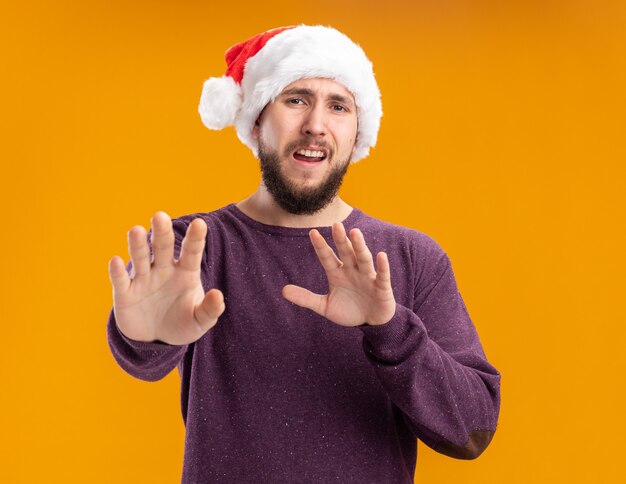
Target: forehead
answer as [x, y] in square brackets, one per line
[321, 87]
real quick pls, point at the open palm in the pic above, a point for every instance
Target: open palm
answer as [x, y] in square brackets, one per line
[357, 292]
[163, 299]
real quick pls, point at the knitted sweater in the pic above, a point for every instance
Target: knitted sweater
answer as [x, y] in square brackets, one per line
[276, 393]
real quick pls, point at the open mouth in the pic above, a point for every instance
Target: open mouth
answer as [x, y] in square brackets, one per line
[311, 156]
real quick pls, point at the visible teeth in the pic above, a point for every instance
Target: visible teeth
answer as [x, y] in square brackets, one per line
[311, 154]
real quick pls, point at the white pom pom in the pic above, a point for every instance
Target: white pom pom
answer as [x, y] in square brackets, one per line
[220, 102]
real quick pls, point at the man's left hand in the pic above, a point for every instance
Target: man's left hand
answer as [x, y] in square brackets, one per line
[357, 292]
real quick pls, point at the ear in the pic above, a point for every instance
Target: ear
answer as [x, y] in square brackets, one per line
[356, 138]
[256, 129]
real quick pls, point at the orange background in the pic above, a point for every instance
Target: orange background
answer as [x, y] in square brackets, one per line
[502, 138]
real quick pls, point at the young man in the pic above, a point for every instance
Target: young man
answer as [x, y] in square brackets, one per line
[303, 357]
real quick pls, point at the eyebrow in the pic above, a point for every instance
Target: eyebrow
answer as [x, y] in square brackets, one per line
[302, 91]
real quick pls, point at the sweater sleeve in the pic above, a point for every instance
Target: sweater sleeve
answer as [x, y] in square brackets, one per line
[432, 365]
[148, 361]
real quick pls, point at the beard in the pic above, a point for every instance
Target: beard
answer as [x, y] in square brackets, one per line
[289, 196]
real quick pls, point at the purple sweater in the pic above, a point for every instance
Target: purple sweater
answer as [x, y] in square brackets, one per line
[276, 393]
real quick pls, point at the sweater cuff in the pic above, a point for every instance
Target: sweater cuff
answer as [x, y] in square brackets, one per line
[144, 345]
[403, 325]
[148, 361]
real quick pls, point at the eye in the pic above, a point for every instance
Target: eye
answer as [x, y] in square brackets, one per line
[295, 100]
[339, 108]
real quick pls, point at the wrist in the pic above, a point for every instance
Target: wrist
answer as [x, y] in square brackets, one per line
[382, 319]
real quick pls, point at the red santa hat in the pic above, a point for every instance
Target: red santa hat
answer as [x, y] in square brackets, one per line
[259, 68]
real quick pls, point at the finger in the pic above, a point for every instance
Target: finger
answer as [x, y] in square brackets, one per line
[305, 298]
[118, 275]
[325, 253]
[364, 259]
[211, 308]
[162, 240]
[193, 245]
[344, 246]
[139, 250]
[383, 272]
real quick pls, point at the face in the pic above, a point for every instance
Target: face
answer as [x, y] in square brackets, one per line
[306, 137]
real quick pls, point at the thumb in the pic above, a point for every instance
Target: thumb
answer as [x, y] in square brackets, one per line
[211, 308]
[305, 298]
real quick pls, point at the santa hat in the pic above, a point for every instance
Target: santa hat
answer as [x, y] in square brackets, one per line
[259, 68]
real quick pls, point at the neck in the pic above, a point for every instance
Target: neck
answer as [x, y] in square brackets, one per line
[262, 207]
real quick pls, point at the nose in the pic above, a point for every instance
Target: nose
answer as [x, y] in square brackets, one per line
[315, 121]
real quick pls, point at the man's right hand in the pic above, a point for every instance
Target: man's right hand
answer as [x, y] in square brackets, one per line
[164, 299]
